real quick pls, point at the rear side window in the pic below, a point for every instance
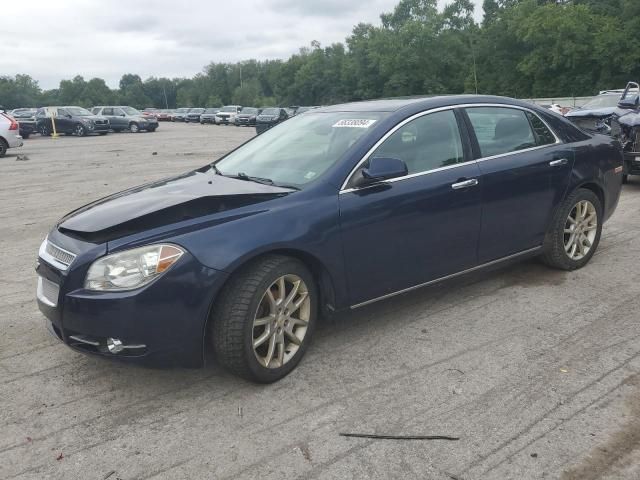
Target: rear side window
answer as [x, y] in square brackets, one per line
[501, 130]
[107, 111]
[542, 132]
[426, 143]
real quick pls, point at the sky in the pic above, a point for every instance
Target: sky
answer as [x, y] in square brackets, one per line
[55, 40]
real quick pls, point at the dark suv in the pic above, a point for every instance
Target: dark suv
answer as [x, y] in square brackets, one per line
[269, 118]
[70, 120]
[26, 118]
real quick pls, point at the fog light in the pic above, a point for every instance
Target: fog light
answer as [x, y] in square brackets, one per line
[114, 345]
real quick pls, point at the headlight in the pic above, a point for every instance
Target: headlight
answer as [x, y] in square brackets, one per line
[86, 120]
[132, 268]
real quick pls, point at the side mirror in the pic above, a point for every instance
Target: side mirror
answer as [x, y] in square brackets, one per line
[381, 169]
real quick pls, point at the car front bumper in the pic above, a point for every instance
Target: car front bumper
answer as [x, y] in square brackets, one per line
[161, 324]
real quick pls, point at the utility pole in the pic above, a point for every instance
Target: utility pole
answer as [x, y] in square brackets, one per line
[166, 104]
[241, 75]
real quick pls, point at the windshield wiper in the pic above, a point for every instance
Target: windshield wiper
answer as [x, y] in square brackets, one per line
[249, 178]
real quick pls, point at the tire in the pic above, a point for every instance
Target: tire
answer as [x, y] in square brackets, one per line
[245, 298]
[44, 131]
[152, 129]
[4, 146]
[133, 127]
[80, 130]
[558, 245]
[102, 133]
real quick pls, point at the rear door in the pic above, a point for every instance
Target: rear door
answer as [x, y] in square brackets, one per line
[525, 171]
[64, 124]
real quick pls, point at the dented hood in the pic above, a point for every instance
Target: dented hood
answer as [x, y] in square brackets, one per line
[192, 195]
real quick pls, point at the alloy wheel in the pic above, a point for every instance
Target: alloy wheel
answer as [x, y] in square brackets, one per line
[281, 321]
[133, 128]
[580, 230]
[80, 131]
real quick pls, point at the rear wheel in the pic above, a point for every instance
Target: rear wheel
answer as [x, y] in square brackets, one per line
[3, 147]
[575, 232]
[152, 129]
[102, 133]
[263, 320]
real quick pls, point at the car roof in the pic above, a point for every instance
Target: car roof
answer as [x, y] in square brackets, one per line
[419, 103]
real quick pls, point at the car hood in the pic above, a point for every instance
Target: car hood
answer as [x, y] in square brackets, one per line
[167, 201]
[595, 112]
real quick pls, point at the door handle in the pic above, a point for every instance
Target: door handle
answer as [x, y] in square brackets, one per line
[558, 163]
[465, 184]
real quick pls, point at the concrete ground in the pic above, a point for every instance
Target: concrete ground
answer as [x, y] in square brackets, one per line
[535, 370]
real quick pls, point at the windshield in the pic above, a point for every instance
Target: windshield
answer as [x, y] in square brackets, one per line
[78, 112]
[182, 110]
[228, 109]
[249, 110]
[131, 111]
[602, 101]
[196, 110]
[212, 110]
[302, 149]
[271, 111]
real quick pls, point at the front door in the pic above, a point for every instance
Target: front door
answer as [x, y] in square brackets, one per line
[64, 124]
[411, 230]
[525, 172]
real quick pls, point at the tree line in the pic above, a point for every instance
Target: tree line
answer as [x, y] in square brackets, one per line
[522, 48]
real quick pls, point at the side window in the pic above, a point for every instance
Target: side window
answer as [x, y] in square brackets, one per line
[107, 111]
[501, 130]
[62, 112]
[426, 143]
[95, 111]
[543, 134]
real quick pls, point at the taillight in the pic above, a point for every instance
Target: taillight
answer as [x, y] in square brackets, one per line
[13, 125]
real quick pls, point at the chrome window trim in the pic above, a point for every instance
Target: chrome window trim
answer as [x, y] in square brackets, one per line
[447, 277]
[344, 189]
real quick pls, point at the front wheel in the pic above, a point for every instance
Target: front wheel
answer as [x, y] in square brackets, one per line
[152, 129]
[262, 323]
[133, 128]
[44, 131]
[575, 233]
[80, 130]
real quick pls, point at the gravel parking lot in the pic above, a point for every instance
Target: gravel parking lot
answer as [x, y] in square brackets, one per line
[536, 371]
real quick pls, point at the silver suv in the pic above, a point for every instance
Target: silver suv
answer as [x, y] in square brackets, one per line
[126, 118]
[9, 133]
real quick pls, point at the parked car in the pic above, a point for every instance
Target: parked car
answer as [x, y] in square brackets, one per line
[194, 115]
[269, 118]
[300, 110]
[122, 117]
[71, 120]
[164, 115]
[334, 209]
[179, 114]
[227, 115]
[209, 115]
[9, 133]
[595, 115]
[247, 116]
[26, 118]
[625, 126]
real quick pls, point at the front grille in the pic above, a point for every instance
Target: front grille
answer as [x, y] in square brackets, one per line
[48, 291]
[59, 254]
[100, 122]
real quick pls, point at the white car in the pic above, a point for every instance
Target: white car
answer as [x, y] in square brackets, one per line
[9, 133]
[227, 115]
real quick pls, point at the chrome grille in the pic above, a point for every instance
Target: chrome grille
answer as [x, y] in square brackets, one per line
[59, 254]
[48, 291]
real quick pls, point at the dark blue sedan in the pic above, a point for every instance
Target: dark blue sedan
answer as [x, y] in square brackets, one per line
[334, 209]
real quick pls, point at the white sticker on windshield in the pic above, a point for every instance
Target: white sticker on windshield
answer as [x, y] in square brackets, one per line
[354, 123]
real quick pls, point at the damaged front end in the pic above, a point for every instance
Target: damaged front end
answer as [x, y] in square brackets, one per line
[625, 126]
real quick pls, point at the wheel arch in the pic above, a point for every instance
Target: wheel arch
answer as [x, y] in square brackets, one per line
[596, 189]
[318, 270]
